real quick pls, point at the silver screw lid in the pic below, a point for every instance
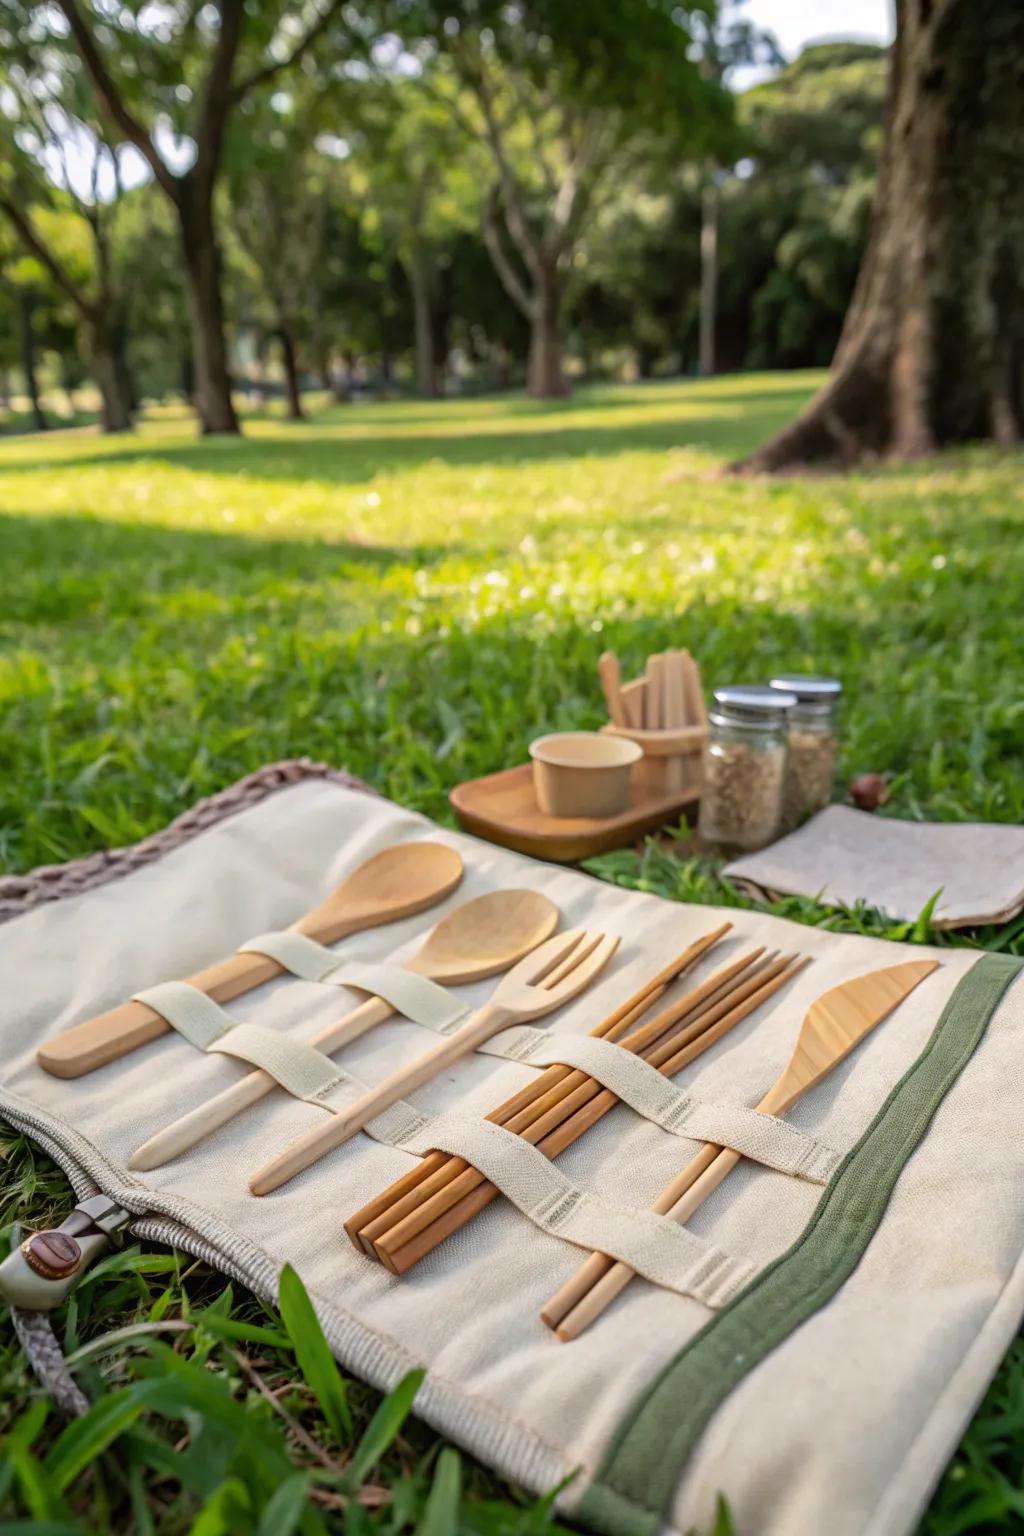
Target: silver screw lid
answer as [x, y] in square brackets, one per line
[808, 689]
[751, 704]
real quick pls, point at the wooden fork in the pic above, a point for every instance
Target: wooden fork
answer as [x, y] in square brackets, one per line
[553, 974]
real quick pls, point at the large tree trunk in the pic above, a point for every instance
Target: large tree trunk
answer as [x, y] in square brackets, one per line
[27, 304]
[203, 295]
[292, 393]
[545, 377]
[932, 349]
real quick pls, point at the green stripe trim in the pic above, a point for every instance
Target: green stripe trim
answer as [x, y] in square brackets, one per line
[642, 1466]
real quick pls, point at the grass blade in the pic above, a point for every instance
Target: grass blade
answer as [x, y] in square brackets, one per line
[441, 1514]
[313, 1353]
[382, 1428]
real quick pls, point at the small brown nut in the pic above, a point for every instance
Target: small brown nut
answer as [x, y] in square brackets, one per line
[53, 1255]
[868, 791]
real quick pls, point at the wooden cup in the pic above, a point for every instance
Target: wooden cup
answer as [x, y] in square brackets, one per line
[671, 758]
[582, 773]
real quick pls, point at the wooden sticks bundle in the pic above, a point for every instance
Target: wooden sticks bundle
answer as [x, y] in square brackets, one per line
[415, 1214]
[668, 696]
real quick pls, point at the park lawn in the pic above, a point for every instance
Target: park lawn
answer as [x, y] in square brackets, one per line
[414, 591]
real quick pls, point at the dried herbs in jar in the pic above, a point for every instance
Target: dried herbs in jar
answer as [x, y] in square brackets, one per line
[744, 769]
[813, 745]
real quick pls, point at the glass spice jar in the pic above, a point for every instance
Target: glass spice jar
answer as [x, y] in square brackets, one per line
[813, 745]
[744, 768]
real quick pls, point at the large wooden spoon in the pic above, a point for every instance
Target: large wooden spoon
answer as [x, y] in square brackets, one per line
[396, 882]
[486, 936]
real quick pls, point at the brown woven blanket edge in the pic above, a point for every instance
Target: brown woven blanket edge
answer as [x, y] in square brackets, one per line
[54, 882]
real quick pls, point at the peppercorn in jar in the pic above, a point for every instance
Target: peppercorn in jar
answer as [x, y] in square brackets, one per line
[744, 769]
[813, 745]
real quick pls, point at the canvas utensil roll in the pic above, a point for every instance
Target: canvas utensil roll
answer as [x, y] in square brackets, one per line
[818, 1349]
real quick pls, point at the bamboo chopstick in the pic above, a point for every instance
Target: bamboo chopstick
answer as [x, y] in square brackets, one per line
[609, 1028]
[600, 1279]
[409, 1221]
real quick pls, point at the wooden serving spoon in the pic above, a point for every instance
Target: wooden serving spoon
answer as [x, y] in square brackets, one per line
[487, 935]
[394, 883]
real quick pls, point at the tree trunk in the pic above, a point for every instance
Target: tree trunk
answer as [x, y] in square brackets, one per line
[27, 304]
[545, 378]
[212, 378]
[292, 393]
[423, 324]
[110, 370]
[932, 348]
[708, 277]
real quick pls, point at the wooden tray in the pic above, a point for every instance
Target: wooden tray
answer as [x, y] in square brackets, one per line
[502, 809]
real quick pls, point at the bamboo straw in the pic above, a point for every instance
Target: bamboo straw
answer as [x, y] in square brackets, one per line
[598, 1281]
[553, 1133]
[609, 1028]
[402, 1221]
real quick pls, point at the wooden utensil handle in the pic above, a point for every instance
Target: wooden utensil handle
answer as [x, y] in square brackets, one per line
[108, 1036]
[340, 1128]
[595, 1286]
[185, 1133]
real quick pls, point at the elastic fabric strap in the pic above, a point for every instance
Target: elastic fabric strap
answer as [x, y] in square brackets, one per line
[415, 997]
[300, 1069]
[655, 1246]
[765, 1139]
[196, 1017]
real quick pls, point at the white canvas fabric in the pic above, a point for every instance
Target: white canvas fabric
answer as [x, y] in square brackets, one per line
[845, 1426]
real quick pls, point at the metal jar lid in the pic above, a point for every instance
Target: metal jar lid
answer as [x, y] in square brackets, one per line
[808, 690]
[751, 704]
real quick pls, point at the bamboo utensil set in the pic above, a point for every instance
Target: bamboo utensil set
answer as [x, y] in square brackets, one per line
[510, 932]
[420, 1210]
[481, 938]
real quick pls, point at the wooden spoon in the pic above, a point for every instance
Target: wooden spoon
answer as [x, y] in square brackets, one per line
[396, 882]
[486, 936]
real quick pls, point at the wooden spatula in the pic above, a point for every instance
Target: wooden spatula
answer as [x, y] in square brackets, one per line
[394, 883]
[834, 1024]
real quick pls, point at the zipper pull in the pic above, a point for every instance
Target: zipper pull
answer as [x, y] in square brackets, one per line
[39, 1274]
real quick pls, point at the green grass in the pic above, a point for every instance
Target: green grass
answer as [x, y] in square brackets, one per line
[414, 591]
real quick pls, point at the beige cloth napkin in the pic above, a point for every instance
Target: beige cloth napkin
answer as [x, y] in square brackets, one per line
[842, 856]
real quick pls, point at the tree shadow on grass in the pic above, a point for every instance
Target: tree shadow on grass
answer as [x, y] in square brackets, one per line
[52, 568]
[310, 454]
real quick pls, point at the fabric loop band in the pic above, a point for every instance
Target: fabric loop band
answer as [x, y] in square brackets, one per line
[301, 956]
[415, 997]
[655, 1246]
[765, 1139]
[196, 1017]
[300, 1069]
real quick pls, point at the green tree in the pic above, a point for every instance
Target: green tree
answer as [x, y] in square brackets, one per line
[68, 230]
[413, 175]
[166, 80]
[558, 96]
